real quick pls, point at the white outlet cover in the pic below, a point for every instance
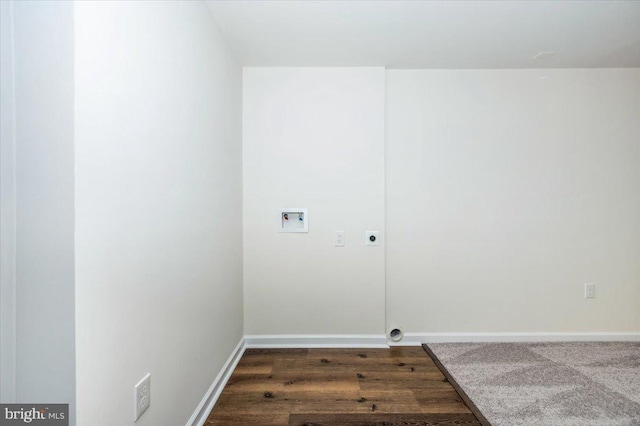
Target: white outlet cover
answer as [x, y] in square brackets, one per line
[372, 238]
[589, 290]
[339, 239]
[142, 396]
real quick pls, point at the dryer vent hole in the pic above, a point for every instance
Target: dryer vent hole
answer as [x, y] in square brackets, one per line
[395, 335]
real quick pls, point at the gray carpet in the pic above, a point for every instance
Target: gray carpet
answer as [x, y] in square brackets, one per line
[547, 384]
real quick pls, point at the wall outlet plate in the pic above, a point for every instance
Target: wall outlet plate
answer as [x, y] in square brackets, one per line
[372, 238]
[339, 239]
[142, 396]
[589, 291]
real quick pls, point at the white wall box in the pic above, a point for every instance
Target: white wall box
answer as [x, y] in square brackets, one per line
[293, 220]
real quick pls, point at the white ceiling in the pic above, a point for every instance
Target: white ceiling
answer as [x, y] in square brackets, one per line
[432, 34]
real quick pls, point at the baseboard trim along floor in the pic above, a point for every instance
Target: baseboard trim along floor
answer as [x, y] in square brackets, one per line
[317, 341]
[199, 416]
[417, 339]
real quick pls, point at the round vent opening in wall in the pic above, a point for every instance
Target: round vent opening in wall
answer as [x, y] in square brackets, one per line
[395, 335]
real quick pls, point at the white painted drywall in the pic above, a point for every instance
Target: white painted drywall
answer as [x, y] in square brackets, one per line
[8, 209]
[432, 34]
[313, 138]
[38, 203]
[158, 208]
[507, 190]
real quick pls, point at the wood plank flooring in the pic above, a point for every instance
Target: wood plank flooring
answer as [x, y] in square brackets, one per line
[363, 387]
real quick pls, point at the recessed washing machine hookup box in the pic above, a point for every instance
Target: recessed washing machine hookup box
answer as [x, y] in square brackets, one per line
[293, 220]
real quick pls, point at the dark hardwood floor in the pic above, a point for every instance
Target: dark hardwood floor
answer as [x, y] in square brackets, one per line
[395, 386]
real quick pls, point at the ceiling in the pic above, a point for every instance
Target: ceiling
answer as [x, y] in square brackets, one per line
[432, 34]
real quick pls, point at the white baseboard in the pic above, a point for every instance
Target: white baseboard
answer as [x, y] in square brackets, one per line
[416, 339]
[201, 413]
[317, 341]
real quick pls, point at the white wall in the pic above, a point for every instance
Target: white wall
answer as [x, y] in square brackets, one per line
[158, 208]
[507, 190]
[314, 138]
[37, 149]
[8, 208]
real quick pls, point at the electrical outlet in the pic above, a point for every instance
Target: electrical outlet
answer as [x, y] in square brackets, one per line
[371, 238]
[142, 395]
[339, 239]
[589, 291]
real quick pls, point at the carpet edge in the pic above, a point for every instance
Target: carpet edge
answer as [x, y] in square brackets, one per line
[474, 409]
